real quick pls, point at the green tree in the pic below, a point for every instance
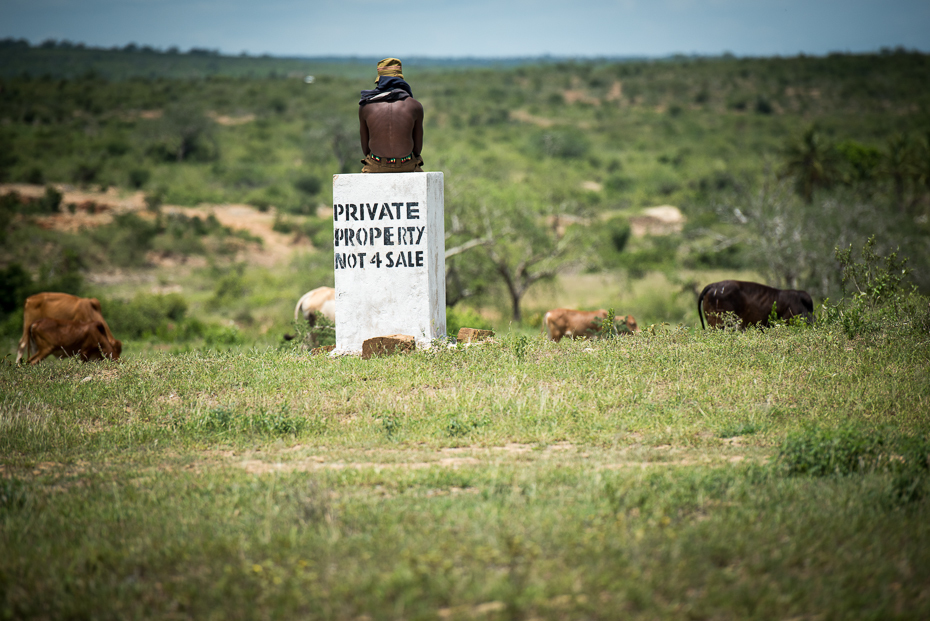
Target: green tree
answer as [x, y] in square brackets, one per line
[922, 164]
[184, 132]
[526, 244]
[811, 161]
[344, 142]
[897, 166]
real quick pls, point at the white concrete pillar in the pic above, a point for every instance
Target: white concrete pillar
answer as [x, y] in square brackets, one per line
[389, 246]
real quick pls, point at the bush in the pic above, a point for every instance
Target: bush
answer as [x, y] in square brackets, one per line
[222, 335]
[127, 239]
[306, 337]
[619, 183]
[138, 177]
[824, 452]
[561, 143]
[85, 173]
[34, 176]
[877, 298]
[309, 185]
[62, 271]
[146, 315]
[15, 284]
[230, 287]
[733, 256]
[618, 232]
[851, 450]
[764, 106]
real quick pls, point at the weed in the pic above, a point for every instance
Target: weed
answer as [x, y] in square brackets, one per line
[279, 422]
[391, 425]
[876, 279]
[877, 297]
[733, 430]
[218, 419]
[519, 346]
[13, 494]
[308, 337]
[458, 427]
[824, 452]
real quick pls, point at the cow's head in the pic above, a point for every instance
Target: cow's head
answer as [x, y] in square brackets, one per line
[796, 304]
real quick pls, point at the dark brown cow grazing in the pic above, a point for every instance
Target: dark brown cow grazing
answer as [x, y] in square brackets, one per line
[561, 322]
[87, 339]
[751, 303]
[64, 307]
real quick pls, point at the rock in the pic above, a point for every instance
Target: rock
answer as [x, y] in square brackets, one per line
[473, 335]
[325, 349]
[386, 345]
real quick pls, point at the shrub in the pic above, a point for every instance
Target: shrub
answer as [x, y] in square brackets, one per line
[824, 452]
[222, 335]
[309, 185]
[618, 232]
[619, 183]
[561, 143]
[62, 271]
[34, 176]
[51, 201]
[320, 231]
[851, 450]
[307, 337]
[85, 173]
[146, 315]
[877, 296]
[230, 287]
[127, 239]
[15, 284]
[764, 106]
[138, 177]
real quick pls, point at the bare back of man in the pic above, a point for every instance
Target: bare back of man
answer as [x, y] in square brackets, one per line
[392, 129]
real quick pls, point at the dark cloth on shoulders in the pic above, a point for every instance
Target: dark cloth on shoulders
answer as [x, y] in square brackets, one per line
[389, 88]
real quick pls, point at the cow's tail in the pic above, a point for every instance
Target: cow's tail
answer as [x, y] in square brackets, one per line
[31, 341]
[545, 325]
[701, 305]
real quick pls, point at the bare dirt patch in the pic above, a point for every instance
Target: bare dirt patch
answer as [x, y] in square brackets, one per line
[616, 92]
[661, 220]
[577, 96]
[525, 117]
[89, 209]
[223, 119]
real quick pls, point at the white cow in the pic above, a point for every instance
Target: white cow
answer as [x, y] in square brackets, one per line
[320, 300]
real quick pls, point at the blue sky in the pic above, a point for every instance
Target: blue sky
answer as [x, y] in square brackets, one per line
[479, 28]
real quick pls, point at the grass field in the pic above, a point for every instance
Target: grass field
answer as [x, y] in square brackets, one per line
[216, 471]
[674, 474]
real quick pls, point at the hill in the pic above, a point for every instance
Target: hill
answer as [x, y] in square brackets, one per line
[773, 162]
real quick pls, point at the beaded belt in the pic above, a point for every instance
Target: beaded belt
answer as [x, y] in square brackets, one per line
[391, 160]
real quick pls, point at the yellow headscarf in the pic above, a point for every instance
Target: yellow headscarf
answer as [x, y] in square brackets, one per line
[389, 67]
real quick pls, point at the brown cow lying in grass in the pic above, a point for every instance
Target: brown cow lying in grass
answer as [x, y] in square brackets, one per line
[87, 339]
[561, 322]
[64, 307]
[751, 303]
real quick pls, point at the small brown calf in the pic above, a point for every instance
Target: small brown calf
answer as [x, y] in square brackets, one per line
[87, 339]
[561, 322]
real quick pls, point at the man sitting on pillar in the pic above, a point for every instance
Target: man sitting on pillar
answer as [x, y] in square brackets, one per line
[390, 123]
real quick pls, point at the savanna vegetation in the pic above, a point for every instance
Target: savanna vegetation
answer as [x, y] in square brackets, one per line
[217, 471]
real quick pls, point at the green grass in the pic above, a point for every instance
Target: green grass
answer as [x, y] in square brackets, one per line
[647, 477]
